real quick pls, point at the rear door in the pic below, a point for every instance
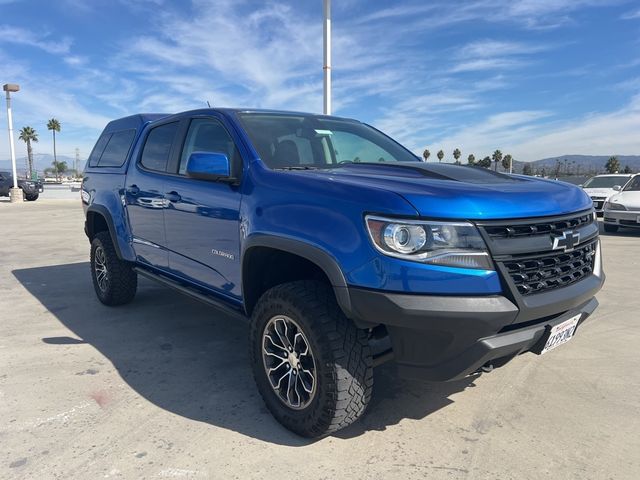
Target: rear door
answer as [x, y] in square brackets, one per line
[145, 195]
[202, 217]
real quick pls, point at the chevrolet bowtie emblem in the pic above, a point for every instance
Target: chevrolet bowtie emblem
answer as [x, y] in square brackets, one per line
[567, 241]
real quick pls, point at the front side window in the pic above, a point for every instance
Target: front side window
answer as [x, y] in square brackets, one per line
[207, 135]
[115, 153]
[305, 141]
[634, 185]
[157, 148]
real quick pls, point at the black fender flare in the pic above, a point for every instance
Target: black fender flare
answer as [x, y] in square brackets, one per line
[325, 261]
[103, 212]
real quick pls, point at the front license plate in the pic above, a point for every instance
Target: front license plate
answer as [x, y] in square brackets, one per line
[561, 333]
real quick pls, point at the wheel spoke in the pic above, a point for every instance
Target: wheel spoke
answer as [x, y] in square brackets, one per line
[282, 335]
[300, 345]
[281, 347]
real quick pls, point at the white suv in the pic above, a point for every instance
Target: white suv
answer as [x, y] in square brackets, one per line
[623, 209]
[601, 187]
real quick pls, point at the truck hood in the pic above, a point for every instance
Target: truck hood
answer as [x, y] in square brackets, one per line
[453, 191]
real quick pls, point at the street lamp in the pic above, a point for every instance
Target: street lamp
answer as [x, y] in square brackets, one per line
[327, 56]
[15, 193]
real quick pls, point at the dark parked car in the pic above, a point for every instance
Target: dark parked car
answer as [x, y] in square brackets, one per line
[30, 188]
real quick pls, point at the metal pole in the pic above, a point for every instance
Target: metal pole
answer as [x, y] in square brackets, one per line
[510, 164]
[11, 145]
[327, 57]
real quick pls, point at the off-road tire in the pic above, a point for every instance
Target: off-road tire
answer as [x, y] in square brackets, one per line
[122, 280]
[31, 197]
[344, 370]
[610, 228]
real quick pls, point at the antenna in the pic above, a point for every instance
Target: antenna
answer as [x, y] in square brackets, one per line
[208, 104]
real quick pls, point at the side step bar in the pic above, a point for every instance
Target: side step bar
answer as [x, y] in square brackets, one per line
[208, 299]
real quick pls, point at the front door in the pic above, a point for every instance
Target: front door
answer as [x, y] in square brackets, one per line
[202, 217]
[145, 196]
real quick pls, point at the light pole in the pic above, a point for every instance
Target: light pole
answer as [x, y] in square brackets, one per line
[15, 193]
[327, 57]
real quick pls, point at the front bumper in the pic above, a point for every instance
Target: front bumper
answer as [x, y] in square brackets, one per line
[623, 218]
[439, 338]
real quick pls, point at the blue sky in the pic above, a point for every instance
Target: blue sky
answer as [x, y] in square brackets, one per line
[535, 78]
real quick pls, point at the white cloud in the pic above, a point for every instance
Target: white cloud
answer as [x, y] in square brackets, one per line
[631, 15]
[21, 36]
[530, 135]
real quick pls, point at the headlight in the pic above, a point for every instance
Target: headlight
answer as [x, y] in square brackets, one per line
[613, 206]
[453, 244]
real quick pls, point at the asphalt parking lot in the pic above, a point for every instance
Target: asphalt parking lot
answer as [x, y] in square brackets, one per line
[161, 388]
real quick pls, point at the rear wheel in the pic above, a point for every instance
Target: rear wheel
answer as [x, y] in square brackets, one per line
[313, 367]
[114, 281]
[610, 228]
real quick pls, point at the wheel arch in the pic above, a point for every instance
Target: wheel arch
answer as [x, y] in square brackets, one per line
[98, 219]
[258, 246]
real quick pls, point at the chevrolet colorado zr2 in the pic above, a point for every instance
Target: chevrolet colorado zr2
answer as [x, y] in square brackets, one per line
[341, 247]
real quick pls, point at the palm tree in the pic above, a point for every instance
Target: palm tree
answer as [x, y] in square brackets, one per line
[440, 155]
[506, 162]
[456, 155]
[426, 154]
[497, 156]
[28, 135]
[54, 126]
[471, 159]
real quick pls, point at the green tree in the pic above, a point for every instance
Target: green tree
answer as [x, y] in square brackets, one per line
[627, 169]
[612, 165]
[440, 155]
[506, 162]
[28, 135]
[485, 162]
[527, 169]
[59, 168]
[497, 157]
[426, 154]
[471, 159]
[456, 155]
[54, 126]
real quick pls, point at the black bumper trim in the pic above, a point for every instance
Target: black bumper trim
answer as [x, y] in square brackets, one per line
[439, 338]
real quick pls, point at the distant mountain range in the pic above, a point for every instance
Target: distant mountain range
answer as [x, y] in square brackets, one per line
[579, 164]
[40, 162]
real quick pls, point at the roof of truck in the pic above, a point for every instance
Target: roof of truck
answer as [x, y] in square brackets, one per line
[133, 121]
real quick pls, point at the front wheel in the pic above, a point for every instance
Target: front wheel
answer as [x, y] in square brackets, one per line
[313, 367]
[31, 197]
[114, 281]
[610, 228]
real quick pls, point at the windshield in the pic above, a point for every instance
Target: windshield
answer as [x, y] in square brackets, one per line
[606, 182]
[634, 185]
[303, 141]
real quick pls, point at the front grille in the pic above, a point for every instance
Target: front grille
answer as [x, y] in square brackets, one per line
[539, 273]
[537, 228]
[629, 222]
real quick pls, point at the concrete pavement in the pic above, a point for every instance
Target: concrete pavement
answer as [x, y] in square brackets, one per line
[161, 388]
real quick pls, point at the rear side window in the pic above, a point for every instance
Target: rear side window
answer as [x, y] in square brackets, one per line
[157, 148]
[96, 153]
[115, 153]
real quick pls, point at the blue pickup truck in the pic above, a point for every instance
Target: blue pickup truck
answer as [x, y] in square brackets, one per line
[341, 247]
